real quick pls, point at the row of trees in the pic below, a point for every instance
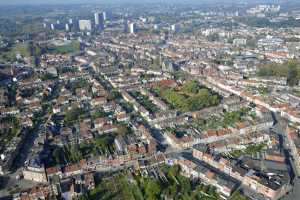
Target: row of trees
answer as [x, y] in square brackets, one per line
[10, 131]
[264, 22]
[290, 70]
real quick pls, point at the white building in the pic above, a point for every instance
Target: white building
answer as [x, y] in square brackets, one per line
[97, 18]
[104, 17]
[67, 27]
[239, 41]
[270, 41]
[85, 25]
[174, 27]
[132, 28]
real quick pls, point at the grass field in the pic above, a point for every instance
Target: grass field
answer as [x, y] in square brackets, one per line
[10, 55]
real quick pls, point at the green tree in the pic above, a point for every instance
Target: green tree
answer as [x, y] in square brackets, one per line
[152, 189]
[190, 87]
[123, 130]
[292, 76]
[113, 95]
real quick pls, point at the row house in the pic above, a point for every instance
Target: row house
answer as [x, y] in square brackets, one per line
[122, 116]
[85, 130]
[153, 161]
[100, 122]
[53, 171]
[286, 112]
[98, 101]
[247, 177]
[207, 112]
[82, 94]
[197, 170]
[163, 115]
[294, 144]
[159, 103]
[41, 192]
[108, 128]
[34, 171]
[185, 141]
[111, 106]
[8, 111]
[71, 170]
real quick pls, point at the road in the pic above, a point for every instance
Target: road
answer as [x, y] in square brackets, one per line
[280, 129]
[294, 194]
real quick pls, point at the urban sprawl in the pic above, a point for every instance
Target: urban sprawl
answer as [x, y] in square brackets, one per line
[150, 101]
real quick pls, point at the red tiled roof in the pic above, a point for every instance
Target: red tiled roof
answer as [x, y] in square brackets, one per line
[52, 170]
[72, 168]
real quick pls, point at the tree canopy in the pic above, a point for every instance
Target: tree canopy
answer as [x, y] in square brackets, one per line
[190, 97]
[290, 70]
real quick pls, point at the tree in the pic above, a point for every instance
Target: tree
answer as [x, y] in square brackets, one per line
[123, 130]
[172, 190]
[292, 76]
[185, 184]
[113, 95]
[290, 70]
[190, 87]
[56, 154]
[35, 51]
[152, 189]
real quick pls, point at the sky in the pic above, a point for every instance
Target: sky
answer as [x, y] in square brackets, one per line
[30, 2]
[3, 2]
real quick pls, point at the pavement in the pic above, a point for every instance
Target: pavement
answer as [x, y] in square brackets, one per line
[294, 194]
[279, 128]
[10, 184]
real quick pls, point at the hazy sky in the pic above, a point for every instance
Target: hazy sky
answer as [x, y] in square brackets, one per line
[16, 2]
[48, 1]
[2, 2]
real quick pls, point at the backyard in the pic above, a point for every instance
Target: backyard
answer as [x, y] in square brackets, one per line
[189, 97]
[225, 121]
[128, 186]
[144, 101]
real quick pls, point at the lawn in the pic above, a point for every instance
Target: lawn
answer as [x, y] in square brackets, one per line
[74, 115]
[250, 150]
[237, 195]
[189, 97]
[65, 49]
[10, 54]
